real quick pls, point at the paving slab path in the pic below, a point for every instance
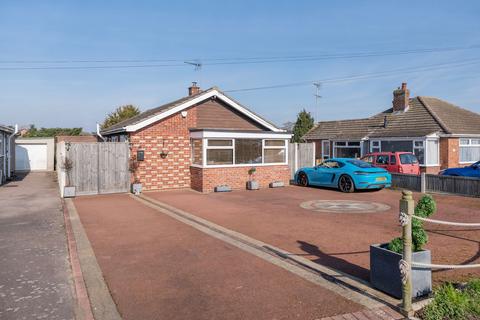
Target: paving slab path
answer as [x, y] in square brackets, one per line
[35, 275]
[159, 268]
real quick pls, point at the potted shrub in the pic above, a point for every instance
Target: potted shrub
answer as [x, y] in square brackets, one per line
[68, 189]
[136, 186]
[385, 258]
[252, 184]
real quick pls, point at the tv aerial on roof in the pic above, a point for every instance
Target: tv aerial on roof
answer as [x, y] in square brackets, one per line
[196, 63]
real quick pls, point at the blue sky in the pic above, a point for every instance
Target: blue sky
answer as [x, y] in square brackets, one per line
[182, 30]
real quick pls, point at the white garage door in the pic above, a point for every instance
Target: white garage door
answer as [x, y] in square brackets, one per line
[30, 157]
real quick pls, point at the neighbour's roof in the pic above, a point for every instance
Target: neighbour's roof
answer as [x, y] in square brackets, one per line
[424, 116]
[166, 107]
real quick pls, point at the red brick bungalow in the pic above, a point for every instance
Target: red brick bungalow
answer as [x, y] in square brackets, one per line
[441, 134]
[201, 141]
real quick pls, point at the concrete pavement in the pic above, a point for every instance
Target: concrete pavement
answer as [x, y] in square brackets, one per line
[35, 274]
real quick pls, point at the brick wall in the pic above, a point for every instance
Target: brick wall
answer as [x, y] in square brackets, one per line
[430, 170]
[206, 179]
[170, 135]
[449, 152]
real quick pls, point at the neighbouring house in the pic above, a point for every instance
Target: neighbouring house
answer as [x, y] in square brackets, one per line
[7, 152]
[201, 141]
[441, 135]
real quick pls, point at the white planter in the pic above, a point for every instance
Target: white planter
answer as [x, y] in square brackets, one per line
[253, 185]
[68, 192]
[136, 188]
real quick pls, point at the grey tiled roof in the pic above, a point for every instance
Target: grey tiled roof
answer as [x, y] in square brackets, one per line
[425, 116]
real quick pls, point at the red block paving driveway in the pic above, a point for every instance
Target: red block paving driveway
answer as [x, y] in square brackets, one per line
[339, 240]
[159, 268]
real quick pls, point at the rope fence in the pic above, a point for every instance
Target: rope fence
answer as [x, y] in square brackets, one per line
[448, 223]
[406, 215]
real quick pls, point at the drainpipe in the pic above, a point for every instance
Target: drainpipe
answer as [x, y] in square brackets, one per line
[98, 133]
[9, 171]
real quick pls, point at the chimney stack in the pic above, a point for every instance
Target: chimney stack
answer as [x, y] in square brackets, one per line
[193, 89]
[401, 97]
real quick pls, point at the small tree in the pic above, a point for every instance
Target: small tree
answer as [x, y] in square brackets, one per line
[304, 123]
[120, 114]
[67, 166]
[132, 167]
[251, 173]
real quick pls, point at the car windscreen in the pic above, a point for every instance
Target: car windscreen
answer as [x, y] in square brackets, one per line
[360, 163]
[407, 158]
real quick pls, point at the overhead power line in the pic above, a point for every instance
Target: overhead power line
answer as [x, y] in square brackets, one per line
[145, 63]
[370, 75]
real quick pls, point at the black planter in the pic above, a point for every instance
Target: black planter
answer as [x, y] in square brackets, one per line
[385, 273]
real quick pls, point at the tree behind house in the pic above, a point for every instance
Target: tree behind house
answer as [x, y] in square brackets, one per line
[120, 114]
[304, 123]
[33, 132]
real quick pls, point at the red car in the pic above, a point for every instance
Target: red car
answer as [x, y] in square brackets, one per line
[399, 162]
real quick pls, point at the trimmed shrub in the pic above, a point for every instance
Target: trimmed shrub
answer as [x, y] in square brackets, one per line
[425, 207]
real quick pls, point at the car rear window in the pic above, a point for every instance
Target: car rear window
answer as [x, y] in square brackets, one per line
[360, 163]
[407, 158]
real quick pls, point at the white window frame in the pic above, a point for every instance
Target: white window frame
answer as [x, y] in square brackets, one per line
[325, 155]
[206, 147]
[426, 153]
[413, 139]
[377, 147]
[468, 145]
[347, 146]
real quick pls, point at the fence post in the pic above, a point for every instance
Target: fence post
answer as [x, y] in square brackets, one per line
[405, 265]
[423, 182]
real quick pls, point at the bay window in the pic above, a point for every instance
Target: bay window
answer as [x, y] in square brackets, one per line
[426, 150]
[469, 150]
[238, 151]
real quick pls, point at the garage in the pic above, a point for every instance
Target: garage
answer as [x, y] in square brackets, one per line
[34, 154]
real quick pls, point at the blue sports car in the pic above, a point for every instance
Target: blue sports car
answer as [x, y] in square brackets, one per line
[472, 171]
[345, 174]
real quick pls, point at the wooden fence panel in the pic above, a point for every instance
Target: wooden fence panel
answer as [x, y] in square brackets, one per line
[437, 183]
[114, 175]
[300, 155]
[100, 167]
[456, 185]
[406, 181]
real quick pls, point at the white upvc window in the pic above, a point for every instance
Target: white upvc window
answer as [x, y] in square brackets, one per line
[220, 152]
[432, 152]
[419, 150]
[347, 149]
[469, 150]
[325, 149]
[375, 146]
